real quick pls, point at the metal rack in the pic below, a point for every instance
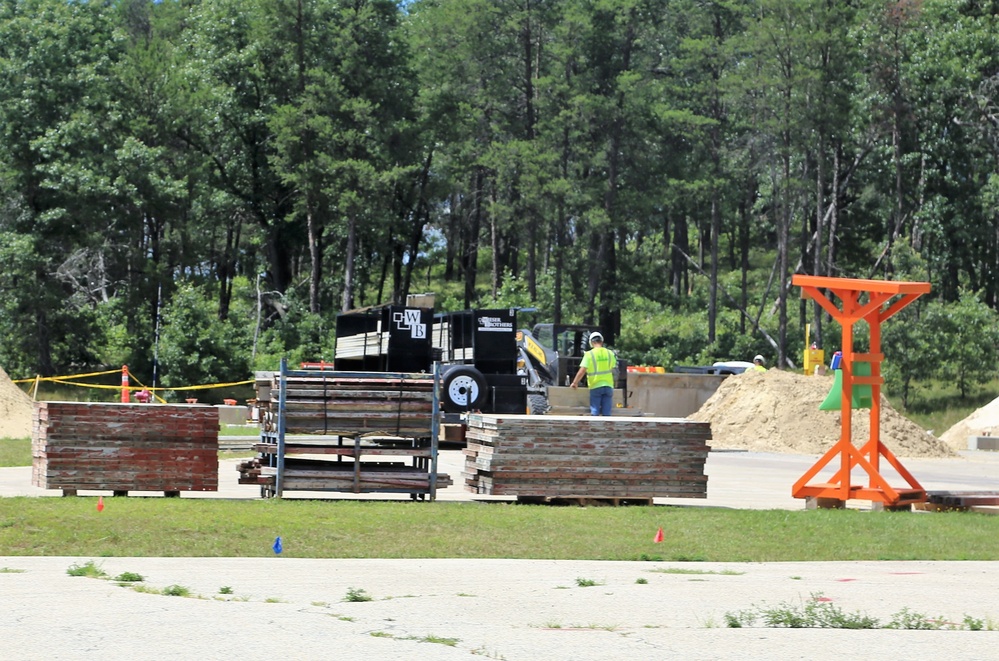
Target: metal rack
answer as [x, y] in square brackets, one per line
[326, 422]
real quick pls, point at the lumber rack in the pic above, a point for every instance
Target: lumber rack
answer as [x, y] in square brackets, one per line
[873, 301]
[346, 431]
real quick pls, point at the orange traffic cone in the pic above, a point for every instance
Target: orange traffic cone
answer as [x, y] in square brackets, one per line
[100, 503]
[659, 536]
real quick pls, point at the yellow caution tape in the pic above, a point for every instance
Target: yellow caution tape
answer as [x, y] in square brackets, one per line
[70, 376]
[213, 385]
[84, 385]
[130, 387]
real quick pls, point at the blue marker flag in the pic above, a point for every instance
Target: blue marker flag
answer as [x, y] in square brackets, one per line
[277, 545]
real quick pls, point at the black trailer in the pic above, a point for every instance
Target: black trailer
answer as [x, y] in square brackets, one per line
[479, 361]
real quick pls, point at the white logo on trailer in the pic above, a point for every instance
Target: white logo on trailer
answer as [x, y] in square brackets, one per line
[410, 320]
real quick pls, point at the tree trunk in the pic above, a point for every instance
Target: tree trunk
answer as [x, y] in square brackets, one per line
[471, 256]
[348, 267]
[820, 212]
[315, 259]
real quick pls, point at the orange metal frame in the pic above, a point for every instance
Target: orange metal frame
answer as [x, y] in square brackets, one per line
[878, 307]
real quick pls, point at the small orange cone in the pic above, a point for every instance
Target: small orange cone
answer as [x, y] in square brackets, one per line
[659, 536]
[100, 503]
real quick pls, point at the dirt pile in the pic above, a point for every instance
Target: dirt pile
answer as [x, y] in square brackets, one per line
[777, 411]
[983, 422]
[15, 409]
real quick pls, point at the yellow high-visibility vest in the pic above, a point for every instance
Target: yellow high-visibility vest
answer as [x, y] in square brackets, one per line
[599, 363]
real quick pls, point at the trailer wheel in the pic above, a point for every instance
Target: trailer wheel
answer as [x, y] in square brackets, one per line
[463, 389]
[537, 404]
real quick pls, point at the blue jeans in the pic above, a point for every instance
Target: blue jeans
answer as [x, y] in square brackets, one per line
[601, 400]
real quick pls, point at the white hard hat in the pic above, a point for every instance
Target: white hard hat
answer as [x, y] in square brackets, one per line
[595, 336]
[758, 358]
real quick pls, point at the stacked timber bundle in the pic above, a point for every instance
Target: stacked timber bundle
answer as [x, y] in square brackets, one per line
[580, 457]
[305, 474]
[441, 337]
[332, 403]
[125, 447]
[373, 343]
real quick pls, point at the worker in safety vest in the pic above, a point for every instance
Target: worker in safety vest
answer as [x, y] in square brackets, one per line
[758, 364]
[598, 368]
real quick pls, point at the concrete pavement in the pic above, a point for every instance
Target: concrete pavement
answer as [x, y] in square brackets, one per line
[289, 608]
[294, 608]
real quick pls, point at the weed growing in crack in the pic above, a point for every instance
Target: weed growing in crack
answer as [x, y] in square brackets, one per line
[90, 569]
[357, 594]
[821, 614]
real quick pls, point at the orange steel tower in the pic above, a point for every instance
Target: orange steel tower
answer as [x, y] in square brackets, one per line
[883, 299]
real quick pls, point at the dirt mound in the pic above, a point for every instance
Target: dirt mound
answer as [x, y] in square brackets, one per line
[15, 409]
[983, 422]
[777, 411]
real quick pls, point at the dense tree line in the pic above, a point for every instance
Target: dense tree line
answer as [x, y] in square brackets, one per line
[199, 186]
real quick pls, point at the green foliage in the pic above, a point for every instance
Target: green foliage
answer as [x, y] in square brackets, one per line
[584, 158]
[906, 341]
[196, 347]
[819, 613]
[357, 594]
[963, 344]
[90, 569]
[177, 591]
[129, 577]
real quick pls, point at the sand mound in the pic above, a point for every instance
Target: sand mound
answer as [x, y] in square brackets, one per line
[983, 422]
[15, 409]
[777, 411]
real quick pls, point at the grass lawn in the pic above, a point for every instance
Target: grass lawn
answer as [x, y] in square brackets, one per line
[15, 452]
[355, 529]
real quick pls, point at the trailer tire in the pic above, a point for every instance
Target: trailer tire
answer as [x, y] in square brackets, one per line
[463, 389]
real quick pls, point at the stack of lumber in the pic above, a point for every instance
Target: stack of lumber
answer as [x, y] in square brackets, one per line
[354, 404]
[440, 336]
[124, 447]
[586, 457]
[301, 474]
[375, 343]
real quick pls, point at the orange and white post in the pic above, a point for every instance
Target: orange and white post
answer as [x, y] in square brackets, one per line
[125, 399]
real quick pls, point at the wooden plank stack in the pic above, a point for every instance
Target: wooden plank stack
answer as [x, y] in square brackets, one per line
[375, 343]
[441, 337]
[334, 403]
[345, 431]
[303, 474]
[586, 457]
[124, 447]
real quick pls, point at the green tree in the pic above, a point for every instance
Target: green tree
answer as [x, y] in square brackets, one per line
[55, 62]
[196, 347]
[963, 339]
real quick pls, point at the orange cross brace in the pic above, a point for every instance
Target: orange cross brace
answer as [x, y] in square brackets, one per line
[885, 298]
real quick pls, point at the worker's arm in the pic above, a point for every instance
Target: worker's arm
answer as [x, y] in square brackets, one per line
[579, 377]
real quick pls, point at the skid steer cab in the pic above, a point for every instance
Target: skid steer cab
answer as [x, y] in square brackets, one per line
[550, 356]
[479, 361]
